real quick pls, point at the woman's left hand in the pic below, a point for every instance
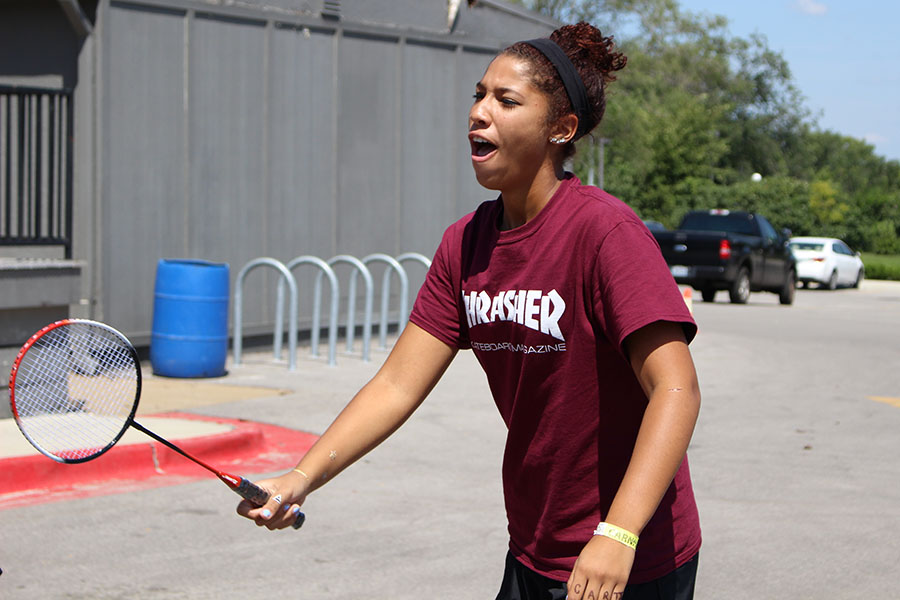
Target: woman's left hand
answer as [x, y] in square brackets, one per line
[601, 570]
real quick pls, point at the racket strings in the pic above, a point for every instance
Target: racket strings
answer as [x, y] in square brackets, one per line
[75, 389]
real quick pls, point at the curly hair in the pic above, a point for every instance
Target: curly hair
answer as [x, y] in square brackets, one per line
[595, 58]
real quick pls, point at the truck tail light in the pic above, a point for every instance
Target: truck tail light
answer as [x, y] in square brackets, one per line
[724, 250]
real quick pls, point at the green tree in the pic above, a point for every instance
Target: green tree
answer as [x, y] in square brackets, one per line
[825, 205]
[697, 111]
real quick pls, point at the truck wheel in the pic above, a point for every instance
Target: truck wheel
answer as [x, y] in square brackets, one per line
[739, 292]
[786, 295]
[708, 294]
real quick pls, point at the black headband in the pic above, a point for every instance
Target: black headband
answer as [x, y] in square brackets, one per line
[575, 89]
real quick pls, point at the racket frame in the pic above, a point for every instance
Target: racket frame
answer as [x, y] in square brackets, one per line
[240, 485]
[28, 346]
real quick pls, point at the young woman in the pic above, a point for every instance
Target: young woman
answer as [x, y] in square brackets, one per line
[563, 295]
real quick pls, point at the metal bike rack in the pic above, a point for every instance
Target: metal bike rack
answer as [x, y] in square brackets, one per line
[239, 303]
[359, 268]
[415, 257]
[386, 294]
[324, 268]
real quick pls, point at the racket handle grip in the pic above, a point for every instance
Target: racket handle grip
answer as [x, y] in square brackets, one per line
[258, 496]
[251, 492]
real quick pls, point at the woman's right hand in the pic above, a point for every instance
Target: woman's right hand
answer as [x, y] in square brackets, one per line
[286, 494]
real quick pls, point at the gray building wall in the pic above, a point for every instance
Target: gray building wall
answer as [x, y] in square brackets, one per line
[228, 132]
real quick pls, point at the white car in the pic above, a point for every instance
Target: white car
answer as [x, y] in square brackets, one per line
[826, 261]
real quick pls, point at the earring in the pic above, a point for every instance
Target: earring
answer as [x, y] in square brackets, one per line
[557, 140]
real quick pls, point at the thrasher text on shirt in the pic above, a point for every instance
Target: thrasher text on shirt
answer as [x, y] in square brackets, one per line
[532, 308]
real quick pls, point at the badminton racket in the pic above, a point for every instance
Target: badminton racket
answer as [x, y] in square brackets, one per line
[74, 390]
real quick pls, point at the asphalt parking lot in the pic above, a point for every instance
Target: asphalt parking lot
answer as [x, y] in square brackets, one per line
[794, 462]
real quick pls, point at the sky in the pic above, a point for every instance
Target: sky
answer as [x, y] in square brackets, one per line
[844, 57]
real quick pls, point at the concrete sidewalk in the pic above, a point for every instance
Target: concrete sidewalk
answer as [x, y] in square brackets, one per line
[158, 395]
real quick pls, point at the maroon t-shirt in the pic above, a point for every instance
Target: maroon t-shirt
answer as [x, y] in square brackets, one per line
[546, 308]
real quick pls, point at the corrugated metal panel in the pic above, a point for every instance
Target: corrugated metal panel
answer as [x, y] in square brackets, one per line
[432, 135]
[143, 158]
[407, 13]
[301, 170]
[502, 23]
[301, 147]
[368, 148]
[228, 208]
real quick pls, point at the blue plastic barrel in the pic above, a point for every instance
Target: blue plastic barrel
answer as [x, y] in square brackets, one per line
[190, 318]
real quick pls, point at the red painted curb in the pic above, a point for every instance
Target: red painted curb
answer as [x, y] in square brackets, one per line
[249, 447]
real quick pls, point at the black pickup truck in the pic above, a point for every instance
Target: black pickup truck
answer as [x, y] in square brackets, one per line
[730, 250]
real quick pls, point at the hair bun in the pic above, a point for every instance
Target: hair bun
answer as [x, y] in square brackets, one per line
[590, 50]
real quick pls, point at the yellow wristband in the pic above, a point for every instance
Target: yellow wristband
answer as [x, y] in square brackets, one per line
[617, 533]
[305, 476]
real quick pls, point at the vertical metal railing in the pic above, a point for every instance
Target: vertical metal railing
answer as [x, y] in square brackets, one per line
[36, 136]
[239, 305]
[324, 268]
[359, 269]
[393, 266]
[414, 257]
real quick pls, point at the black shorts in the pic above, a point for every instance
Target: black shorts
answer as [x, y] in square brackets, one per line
[521, 583]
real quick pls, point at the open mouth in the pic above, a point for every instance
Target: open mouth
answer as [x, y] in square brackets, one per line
[481, 147]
